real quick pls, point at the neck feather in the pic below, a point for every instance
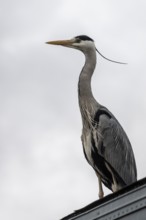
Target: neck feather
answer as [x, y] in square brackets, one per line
[87, 102]
[84, 85]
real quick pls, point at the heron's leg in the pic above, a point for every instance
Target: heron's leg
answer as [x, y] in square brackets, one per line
[101, 193]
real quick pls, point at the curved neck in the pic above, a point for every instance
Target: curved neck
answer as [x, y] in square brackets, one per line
[84, 85]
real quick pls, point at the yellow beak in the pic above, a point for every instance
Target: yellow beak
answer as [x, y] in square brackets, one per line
[61, 42]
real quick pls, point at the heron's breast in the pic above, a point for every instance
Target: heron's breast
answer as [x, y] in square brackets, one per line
[87, 145]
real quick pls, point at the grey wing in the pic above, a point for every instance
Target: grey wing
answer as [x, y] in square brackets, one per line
[116, 149]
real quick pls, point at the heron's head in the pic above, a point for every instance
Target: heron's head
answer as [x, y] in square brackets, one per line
[81, 42]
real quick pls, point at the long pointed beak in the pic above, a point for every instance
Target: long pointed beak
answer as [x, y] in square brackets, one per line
[61, 42]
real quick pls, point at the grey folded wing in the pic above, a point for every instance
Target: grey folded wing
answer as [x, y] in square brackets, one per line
[116, 149]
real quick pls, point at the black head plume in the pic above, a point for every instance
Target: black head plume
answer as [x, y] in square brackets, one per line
[86, 38]
[109, 59]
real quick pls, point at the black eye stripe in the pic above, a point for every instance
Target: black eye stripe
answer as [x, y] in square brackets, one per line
[84, 37]
[78, 40]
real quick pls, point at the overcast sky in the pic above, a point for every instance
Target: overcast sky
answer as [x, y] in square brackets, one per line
[43, 172]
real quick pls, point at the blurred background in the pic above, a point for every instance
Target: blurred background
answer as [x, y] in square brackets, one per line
[43, 172]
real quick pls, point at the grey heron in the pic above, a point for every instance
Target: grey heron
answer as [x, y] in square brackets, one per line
[105, 143]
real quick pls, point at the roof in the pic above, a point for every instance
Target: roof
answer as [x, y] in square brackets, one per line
[128, 203]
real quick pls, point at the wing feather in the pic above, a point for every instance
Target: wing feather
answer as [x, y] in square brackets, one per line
[116, 148]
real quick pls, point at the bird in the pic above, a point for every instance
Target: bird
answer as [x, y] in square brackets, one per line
[106, 145]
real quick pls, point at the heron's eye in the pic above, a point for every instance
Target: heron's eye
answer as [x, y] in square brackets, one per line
[78, 40]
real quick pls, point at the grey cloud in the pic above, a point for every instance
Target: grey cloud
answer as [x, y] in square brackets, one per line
[41, 160]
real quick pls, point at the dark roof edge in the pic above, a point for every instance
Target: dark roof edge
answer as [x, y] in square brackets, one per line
[107, 198]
